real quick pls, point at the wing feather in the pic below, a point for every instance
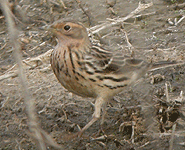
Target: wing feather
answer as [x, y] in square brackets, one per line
[107, 62]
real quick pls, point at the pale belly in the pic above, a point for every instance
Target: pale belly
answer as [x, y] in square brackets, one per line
[77, 84]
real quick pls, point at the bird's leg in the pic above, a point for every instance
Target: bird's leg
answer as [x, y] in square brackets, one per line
[104, 112]
[96, 115]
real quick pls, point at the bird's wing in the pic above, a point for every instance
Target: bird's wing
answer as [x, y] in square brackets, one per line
[104, 61]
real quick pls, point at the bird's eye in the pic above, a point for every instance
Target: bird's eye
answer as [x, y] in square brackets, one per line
[67, 27]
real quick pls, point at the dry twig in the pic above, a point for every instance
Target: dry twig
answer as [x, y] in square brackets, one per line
[132, 136]
[128, 43]
[108, 24]
[28, 63]
[9, 75]
[177, 6]
[84, 11]
[62, 3]
[166, 91]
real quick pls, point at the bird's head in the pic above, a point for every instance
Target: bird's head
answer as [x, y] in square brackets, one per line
[68, 31]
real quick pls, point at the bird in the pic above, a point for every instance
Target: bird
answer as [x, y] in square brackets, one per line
[89, 70]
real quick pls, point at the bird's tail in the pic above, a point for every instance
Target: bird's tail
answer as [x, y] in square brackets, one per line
[164, 64]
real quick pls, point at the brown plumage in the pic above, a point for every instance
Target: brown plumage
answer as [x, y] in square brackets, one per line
[89, 70]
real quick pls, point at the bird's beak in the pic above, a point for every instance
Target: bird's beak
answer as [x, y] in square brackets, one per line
[51, 28]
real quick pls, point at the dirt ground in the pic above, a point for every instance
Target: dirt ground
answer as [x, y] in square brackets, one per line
[143, 116]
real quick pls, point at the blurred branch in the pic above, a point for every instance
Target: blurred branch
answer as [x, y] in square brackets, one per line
[39, 135]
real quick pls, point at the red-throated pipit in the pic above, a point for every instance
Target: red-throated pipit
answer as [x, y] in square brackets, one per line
[89, 70]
